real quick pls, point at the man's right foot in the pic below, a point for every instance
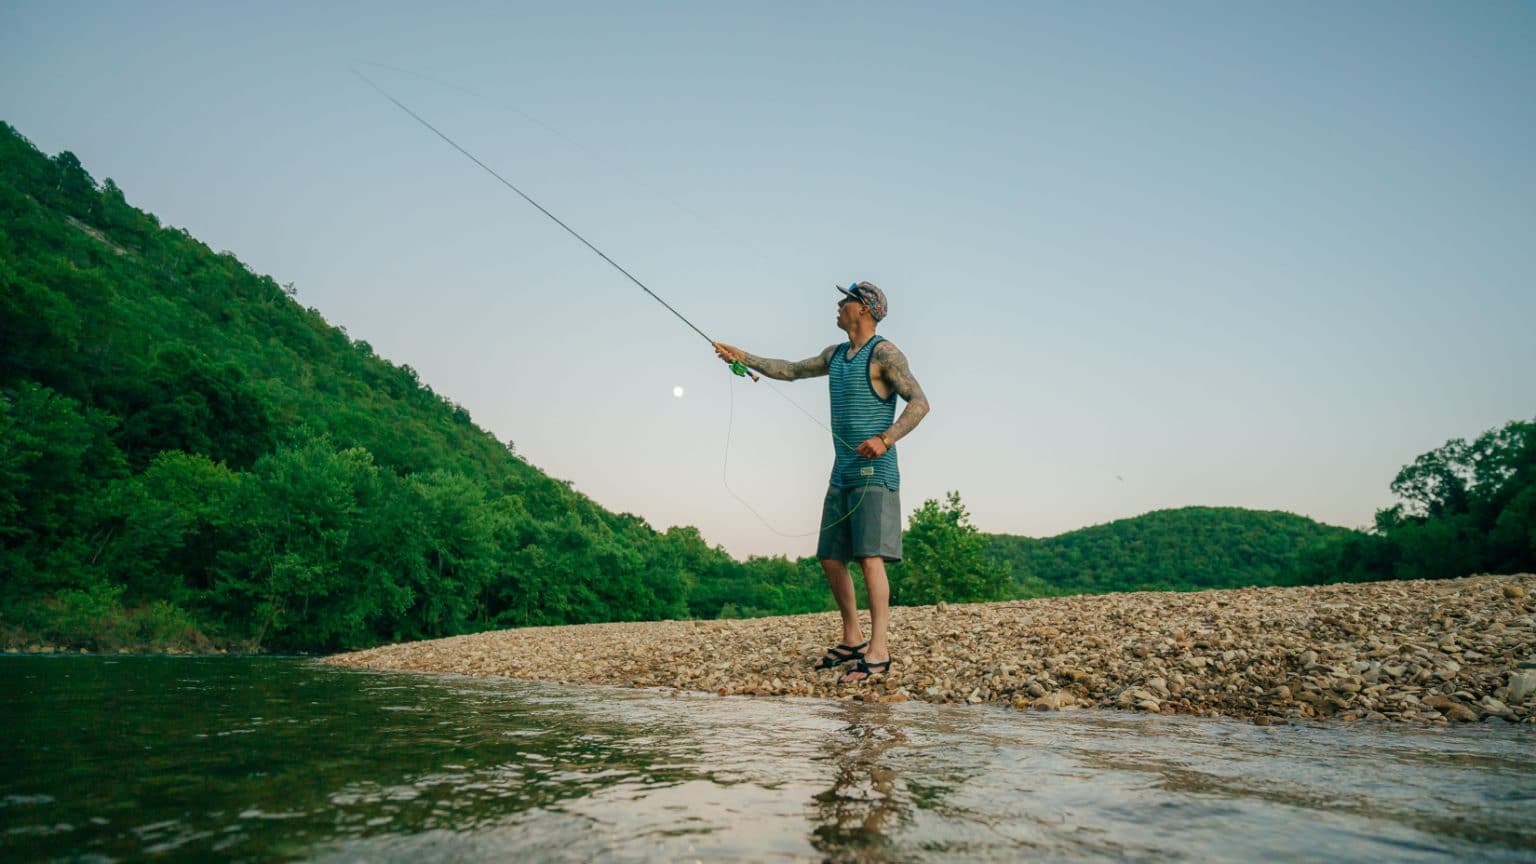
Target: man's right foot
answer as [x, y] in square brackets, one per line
[866, 670]
[840, 654]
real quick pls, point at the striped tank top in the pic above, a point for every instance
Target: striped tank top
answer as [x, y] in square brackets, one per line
[858, 414]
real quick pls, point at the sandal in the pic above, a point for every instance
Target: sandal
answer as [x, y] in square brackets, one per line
[868, 670]
[840, 654]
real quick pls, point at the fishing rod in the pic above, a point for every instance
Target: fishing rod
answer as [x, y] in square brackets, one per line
[737, 366]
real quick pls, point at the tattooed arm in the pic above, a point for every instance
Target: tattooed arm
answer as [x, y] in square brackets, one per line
[897, 375]
[783, 370]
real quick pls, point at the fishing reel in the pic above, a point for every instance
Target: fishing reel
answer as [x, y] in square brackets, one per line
[741, 371]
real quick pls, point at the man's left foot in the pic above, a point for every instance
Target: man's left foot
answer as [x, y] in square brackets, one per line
[866, 670]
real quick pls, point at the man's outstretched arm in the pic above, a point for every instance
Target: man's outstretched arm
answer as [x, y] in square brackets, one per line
[783, 370]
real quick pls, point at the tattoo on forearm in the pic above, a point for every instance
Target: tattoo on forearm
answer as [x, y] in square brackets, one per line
[894, 368]
[787, 370]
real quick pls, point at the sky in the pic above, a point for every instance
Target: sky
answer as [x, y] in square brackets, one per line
[1140, 256]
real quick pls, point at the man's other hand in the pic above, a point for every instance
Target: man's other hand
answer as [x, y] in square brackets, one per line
[873, 448]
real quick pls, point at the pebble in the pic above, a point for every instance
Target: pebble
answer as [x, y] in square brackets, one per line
[1494, 707]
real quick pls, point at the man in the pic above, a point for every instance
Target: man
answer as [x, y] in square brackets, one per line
[861, 516]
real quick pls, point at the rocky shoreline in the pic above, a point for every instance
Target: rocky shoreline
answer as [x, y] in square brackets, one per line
[1461, 650]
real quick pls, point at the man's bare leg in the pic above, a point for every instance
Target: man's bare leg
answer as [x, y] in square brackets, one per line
[879, 590]
[841, 583]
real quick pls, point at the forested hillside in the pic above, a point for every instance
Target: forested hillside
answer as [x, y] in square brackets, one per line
[188, 453]
[1185, 549]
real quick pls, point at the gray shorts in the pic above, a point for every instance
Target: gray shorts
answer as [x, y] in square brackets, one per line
[860, 522]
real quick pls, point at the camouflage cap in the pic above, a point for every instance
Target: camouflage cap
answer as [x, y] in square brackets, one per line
[872, 298]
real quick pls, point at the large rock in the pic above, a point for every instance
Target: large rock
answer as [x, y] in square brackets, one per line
[1451, 708]
[1494, 707]
[1054, 702]
[1522, 683]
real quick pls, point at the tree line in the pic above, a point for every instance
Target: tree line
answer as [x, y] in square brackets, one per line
[1464, 508]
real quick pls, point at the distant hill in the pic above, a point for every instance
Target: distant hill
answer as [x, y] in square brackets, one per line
[1186, 549]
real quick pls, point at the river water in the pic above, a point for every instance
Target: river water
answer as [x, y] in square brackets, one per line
[276, 759]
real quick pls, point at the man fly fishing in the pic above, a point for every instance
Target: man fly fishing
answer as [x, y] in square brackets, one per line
[861, 516]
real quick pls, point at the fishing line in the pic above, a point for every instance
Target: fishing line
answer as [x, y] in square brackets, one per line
[736, 366]
[726, 461]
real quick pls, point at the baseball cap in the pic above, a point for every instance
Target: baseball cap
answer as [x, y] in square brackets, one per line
[872, 298]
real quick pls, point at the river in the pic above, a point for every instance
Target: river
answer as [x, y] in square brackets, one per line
[286, 759]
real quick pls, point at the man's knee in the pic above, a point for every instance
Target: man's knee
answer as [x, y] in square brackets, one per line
[874, 564]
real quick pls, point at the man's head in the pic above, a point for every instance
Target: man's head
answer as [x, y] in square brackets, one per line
[868, 296]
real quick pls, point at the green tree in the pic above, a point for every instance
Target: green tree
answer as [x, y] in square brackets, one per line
[1465, 508]
[448, 550]
[163, 526]
[186, 403]
[74, 184]
[302, 568]
[55, 457]
[946, 560]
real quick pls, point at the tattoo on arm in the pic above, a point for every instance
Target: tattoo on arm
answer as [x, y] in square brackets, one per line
[894, 368]
[786, 370]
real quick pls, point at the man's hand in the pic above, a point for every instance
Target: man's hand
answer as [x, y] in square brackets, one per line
[729, 353]
[873, 448]
[782, 370]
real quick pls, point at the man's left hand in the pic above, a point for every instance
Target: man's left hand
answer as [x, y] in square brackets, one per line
[873, 448]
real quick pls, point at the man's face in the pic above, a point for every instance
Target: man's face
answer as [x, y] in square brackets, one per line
[848, 311]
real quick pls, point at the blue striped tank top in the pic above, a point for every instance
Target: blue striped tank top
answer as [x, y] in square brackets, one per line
[858, 413]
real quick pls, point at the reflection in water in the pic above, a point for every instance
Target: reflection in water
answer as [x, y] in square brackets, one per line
[856, 815]
[260, 759]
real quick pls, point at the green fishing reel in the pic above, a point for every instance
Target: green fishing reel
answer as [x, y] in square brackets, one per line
[741, 370]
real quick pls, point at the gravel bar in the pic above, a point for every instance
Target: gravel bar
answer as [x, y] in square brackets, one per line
[1445, 651]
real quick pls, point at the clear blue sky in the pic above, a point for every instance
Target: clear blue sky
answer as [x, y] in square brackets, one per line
[1139, 255]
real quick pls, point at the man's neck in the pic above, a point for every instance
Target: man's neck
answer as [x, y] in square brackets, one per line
[860, 334]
